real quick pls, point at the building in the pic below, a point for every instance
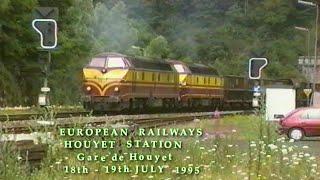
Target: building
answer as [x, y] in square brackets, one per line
[306, 66]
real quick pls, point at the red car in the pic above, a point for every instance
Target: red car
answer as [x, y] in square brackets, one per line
[301, 122]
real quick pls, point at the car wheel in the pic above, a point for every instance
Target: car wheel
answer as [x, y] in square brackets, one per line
[296, 134]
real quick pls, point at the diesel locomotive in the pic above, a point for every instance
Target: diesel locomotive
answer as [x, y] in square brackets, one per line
[115, 82]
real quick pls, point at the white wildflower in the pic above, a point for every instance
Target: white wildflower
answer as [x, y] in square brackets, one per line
[306, 155]
[253, 145]
[272, 146]
[312, 158]
[284, 151]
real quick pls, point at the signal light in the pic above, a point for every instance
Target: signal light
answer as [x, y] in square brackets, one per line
[255, 67]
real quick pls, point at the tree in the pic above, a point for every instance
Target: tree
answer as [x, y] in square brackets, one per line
[17, 52]
[158, 47]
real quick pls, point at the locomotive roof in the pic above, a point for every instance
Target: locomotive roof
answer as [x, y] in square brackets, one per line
[196, 68]
[141, 62]
[151, 64]
[106, 54]
[202, 69]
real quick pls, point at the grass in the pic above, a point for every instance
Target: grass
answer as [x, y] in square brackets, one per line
[235, 147]
[247, 127]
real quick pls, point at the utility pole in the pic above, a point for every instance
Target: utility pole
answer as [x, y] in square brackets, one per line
[246, 3]
[314, 79]
[307, 39]
[315, 56]
[309, 73]
[45, 84]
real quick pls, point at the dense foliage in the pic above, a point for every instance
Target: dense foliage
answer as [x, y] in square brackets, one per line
[224, 34]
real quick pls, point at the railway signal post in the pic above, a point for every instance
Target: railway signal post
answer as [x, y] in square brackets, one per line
[45, 25]
[255, 67]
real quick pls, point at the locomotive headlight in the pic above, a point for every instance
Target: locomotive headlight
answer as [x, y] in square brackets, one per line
[116, 89]
[88, 88]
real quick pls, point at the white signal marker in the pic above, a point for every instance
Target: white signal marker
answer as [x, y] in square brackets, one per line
[41, 35]
[264, 65]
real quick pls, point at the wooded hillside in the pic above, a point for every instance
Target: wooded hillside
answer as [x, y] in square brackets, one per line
[222, 33]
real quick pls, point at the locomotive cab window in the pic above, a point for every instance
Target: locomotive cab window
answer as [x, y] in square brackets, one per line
[115, 62]
[179, 68]
[97, 62]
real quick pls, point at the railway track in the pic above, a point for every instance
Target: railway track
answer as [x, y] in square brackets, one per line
[145, 120]
[31, 116]
[182, 118]
[34, 153]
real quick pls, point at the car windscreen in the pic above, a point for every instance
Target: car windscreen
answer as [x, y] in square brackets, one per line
[291, 113]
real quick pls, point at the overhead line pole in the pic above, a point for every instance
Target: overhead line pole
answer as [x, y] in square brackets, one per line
[246, 6]
[315, 56]
[309, 71]
[308, 3]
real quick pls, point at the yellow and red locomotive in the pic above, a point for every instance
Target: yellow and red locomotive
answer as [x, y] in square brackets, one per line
[114, 82]
[198, 85]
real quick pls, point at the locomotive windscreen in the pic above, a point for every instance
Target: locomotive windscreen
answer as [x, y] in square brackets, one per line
[97, 62]
[152, 65]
